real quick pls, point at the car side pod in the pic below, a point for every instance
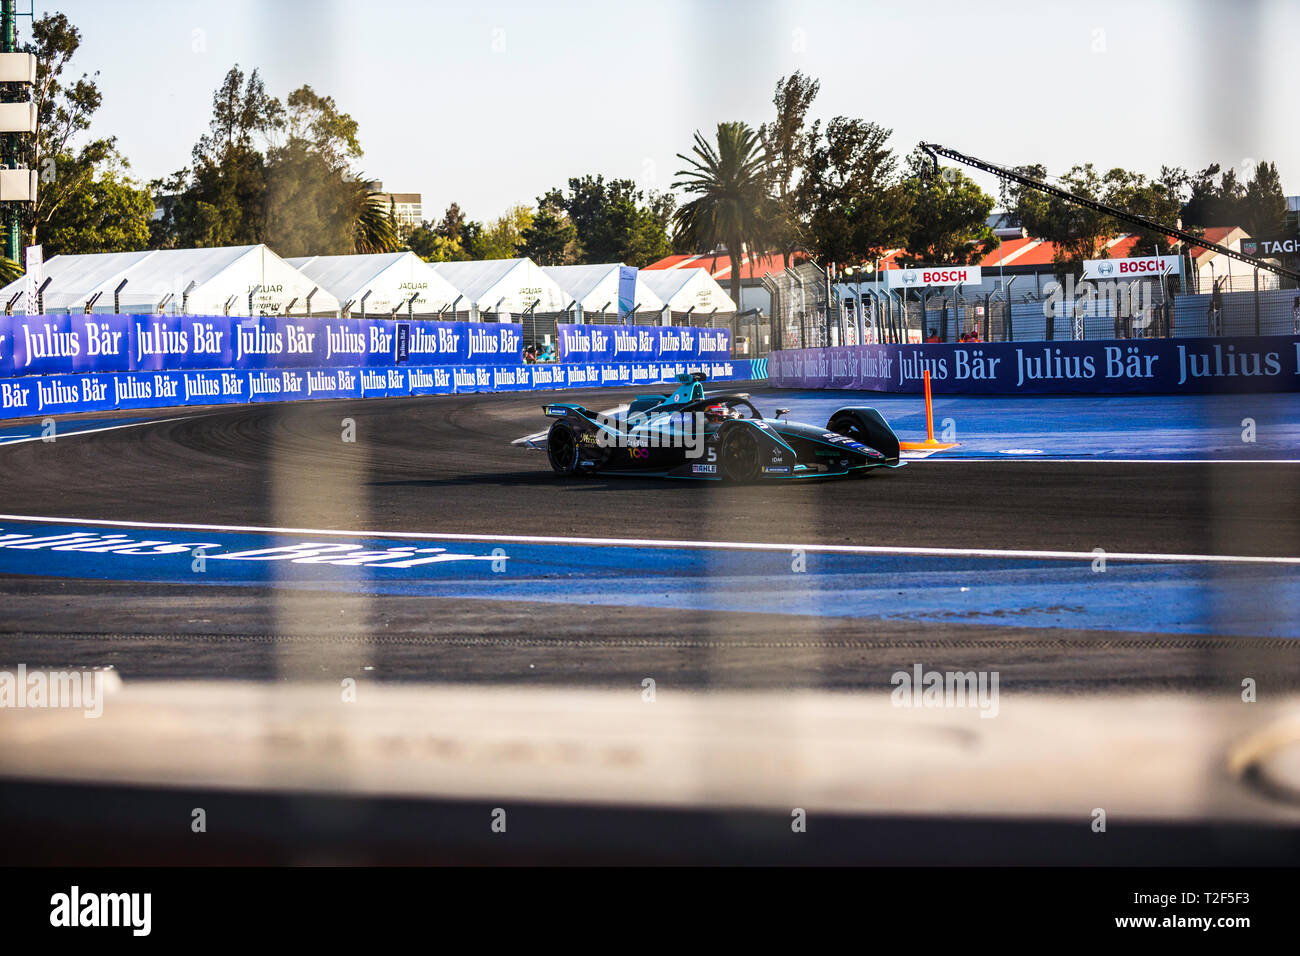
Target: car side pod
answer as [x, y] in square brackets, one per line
[929, 444]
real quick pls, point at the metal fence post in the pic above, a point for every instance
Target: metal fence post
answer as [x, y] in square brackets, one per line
[1257, 302]
[1011, 334]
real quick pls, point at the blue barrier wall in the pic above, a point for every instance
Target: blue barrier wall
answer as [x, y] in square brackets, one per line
[102, 391]
[1115, 367]
[642, 343]
[61, 344]
[62, 364]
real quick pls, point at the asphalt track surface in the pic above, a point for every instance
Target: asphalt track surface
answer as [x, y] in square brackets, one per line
[446, 465]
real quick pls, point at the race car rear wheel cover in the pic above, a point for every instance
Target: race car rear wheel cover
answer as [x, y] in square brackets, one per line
[740, 457]
[848, 426]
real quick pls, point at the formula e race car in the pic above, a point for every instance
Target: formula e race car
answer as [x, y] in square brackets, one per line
[716, 436]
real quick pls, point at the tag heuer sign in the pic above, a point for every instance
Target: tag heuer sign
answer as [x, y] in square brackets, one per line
[1274, 246]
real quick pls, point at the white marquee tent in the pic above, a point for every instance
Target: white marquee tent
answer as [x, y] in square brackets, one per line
[691, 291]
[385, 281]
[503, 285]
[196, 281]
[594, 289]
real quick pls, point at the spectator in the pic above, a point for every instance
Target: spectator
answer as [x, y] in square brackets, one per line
[932, 337]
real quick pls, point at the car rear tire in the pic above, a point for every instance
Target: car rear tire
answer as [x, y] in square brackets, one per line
[740, 458]
[562, 449]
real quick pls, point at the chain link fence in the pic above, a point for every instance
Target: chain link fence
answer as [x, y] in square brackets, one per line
[809, 312]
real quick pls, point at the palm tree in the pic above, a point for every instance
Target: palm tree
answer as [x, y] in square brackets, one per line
[373, 227]
[732, 204]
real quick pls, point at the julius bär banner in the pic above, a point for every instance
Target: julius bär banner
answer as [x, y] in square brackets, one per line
[70, 344]
[66, 344]
[39, 395]
[642, 343]
[1117, 367]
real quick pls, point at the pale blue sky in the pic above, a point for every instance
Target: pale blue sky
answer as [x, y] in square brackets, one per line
[491, 102]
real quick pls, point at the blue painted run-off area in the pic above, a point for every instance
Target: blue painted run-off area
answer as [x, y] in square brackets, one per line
[1110, 427]
[1155, 597]
[77, 426]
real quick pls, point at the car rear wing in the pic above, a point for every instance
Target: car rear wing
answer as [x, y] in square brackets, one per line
[565, 409]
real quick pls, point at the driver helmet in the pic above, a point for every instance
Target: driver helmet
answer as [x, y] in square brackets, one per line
[718, 413]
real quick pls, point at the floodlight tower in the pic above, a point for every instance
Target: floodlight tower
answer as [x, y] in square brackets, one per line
[17, 120]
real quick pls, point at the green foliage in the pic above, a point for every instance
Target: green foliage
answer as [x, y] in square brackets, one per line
[110, 214]
[374, 229]
[552, 238]
[729, 181]
[1218, 198]
[1159, 199]
[445, 240]
[852, 205]
[301, 197]
[615, 221]
[1264, 208]
[1078, 232]
[789, 143]
[67, 162]
[504, 238]
[947, 217]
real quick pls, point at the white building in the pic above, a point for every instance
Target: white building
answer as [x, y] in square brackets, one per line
[690, 294]
[381, 284]
[594, 291]
[195, 281]
[498, 286]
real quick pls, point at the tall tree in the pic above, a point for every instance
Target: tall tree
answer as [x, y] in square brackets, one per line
[221, 200]
[947, 216]
[110, 214]
[1160, 199]
[504, 238]
[789, 143]
[66, 161]
[851, 200]
[373, 223]
[445, 240]
[731, 208]
[552, 238]
[1264, 205]
[1078, 232]
[617, 222]
[316, 204]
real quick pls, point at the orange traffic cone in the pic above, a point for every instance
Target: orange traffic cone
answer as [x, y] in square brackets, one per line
[929, 444]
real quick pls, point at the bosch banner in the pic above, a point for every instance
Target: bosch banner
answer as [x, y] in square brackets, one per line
[35, 395]
[932, 276]
[1136, 267]
[1102, 367]
[642, 343]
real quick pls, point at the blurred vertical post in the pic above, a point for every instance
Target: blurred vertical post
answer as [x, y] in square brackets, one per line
[9, 44]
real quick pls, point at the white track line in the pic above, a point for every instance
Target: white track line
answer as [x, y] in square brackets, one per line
[89, 431]
[670, 543]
